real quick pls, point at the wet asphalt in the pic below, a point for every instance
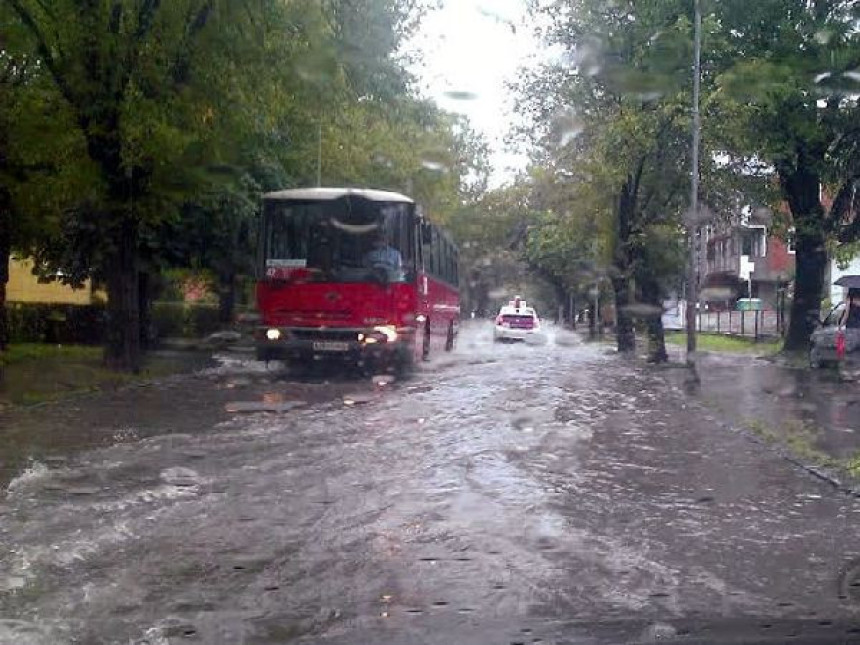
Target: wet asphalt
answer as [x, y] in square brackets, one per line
[551, 493]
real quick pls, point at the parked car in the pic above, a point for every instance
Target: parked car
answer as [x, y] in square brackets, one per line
[838, 336]
[516, 321]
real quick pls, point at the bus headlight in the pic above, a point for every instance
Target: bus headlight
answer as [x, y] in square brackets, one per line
[273, 334]
[388, 331]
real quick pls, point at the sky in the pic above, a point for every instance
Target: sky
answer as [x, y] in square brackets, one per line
[470, 49]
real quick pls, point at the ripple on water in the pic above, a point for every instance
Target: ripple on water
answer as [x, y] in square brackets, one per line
[35, 474]
[21, 632]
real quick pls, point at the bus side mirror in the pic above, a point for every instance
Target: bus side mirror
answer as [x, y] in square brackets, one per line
[426, 233]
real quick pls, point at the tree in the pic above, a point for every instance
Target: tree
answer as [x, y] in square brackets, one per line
[163, 93]
[128, 72]
[788, 85]
[37, 182]
[614, 121]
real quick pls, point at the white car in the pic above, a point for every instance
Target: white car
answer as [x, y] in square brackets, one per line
[516, 321]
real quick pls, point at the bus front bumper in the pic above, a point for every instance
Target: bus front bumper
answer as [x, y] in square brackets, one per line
[349, 345]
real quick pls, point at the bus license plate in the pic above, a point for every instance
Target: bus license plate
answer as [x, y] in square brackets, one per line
[330, 346]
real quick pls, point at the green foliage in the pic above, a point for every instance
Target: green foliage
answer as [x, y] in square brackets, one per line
[147, 131]
[611, 122]
[178, 319]
[22, 352]
[54, 323]
[725, 343]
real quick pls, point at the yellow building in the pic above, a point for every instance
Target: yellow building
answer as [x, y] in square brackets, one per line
[25, 287]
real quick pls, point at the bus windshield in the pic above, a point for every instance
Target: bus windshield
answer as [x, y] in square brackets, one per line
[350, 239]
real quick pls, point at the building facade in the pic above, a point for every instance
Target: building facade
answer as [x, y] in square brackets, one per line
[24, 287]
[743, 259]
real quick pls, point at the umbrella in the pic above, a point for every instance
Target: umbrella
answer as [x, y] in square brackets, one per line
[849, 281]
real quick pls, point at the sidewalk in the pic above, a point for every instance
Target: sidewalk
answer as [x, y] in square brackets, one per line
[811, 414]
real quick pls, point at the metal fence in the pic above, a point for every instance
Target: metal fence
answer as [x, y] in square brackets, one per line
[767, 322]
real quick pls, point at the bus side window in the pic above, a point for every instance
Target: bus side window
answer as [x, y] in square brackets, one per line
[418, 245]
[446, 267]
[434, 253]
[443, 258]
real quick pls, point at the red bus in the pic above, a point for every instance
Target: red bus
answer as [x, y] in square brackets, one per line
[353, 274]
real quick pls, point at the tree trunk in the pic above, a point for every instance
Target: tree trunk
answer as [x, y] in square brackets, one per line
[801, 189]
[625, 334]
[123, 349]
[592, 318]
[652, 297]
[144, 297]
[226, 299]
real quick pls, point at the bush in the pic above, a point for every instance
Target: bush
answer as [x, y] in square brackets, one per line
[184, 320]
[86, 324]
[56, 323]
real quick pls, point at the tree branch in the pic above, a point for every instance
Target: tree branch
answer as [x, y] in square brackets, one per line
[47, 56]
[146, 18]
[845, 199]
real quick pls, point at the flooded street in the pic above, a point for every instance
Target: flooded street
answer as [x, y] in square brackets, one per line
[503, 494]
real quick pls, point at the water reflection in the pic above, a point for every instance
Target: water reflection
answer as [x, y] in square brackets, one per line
[782, 398]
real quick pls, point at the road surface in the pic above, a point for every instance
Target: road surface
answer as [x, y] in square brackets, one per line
[549, 493]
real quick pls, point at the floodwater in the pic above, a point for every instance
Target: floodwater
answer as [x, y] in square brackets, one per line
[767, 394]
[546, 492]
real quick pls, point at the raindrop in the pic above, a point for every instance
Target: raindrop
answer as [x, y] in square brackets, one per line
[643, 310]
[568, 126]
[823, 36]
[433, 166]
[461, 95]
[179, 476]
[382, 160]
[82, 490]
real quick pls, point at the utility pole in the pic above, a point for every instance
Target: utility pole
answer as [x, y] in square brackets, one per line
[319, 154]
[692, 268]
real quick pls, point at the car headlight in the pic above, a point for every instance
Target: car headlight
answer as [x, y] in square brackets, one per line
[273, 334]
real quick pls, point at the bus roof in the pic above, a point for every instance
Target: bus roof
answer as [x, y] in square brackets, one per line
[325, 194]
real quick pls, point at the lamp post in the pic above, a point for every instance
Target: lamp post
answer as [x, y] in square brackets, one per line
[692, 286]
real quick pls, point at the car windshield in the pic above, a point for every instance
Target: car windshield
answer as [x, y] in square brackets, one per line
[835, 316]
[349, 322]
